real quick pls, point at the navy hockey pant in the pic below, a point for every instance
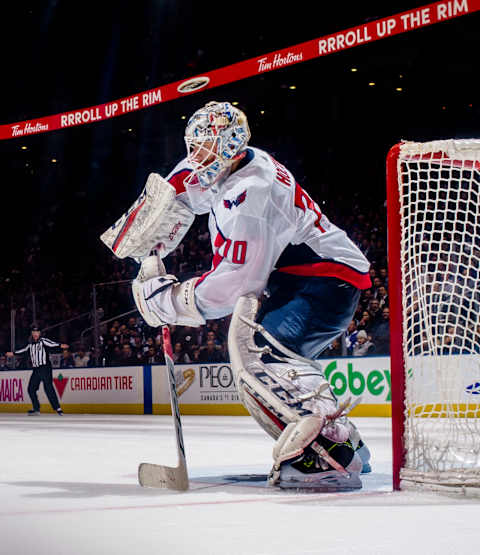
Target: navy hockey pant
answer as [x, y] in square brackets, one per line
[307, 313]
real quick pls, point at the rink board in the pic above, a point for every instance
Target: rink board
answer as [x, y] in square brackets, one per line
[384, 410]
[203, 388]
[212, 389]
[207, 389]
[119, 390]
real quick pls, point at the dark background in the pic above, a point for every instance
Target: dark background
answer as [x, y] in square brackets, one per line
[333, 131]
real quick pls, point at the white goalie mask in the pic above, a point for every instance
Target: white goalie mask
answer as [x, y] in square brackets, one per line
[216, 136]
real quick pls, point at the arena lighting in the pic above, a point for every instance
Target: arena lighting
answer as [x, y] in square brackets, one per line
[184, 117]
[54, 160]
[371, 84]
[235, 103]
[23, 147]
[292, 87]
[399, 89]
[262, 111]
[353, 69]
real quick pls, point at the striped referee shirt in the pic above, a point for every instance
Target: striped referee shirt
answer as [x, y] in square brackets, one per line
[38, 351]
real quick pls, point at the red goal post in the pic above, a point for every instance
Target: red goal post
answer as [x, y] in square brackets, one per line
[433, 213]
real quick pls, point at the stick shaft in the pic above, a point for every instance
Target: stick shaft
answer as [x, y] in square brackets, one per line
[167, 349]
[160, 476]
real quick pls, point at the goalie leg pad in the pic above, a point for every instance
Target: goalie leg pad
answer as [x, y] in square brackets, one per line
[276, 394]
[295, 437]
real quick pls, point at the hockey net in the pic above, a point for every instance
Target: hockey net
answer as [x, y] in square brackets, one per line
[434, 283]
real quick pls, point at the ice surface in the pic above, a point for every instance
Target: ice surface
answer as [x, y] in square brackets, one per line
[69, 486]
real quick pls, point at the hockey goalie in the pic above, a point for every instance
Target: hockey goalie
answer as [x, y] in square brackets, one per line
[290, 278]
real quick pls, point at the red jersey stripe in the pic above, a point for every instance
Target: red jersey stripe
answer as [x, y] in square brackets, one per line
[330, 269]
[177, 180]
[217, 257]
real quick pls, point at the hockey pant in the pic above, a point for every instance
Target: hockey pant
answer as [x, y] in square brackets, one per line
[305, 314]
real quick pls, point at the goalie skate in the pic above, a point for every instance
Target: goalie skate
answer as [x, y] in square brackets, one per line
[310, 471]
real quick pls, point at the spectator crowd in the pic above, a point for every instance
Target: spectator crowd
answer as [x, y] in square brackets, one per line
[63, 309]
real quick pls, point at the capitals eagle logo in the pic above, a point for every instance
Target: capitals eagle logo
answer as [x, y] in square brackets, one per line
[235, 202]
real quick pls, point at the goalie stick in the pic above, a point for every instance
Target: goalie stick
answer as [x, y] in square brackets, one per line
[159, 476]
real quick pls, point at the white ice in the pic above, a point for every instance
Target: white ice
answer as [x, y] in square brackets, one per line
[69, 486]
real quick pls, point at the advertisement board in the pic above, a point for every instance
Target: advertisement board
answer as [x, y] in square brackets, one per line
[202, 388]
[444, 384]
[210, 388]
[79, 390]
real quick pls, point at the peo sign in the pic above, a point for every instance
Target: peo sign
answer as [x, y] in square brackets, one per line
[197, 384]
[216, 383]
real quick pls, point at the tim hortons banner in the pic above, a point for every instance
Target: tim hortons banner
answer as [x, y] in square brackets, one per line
[370, 32]
[80, 390]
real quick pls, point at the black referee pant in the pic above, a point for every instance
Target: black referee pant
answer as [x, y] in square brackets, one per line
[43, 374]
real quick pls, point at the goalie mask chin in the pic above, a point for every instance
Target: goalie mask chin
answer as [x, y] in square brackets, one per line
[216, 136]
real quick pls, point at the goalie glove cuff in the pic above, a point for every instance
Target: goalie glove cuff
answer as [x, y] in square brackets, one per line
[147, 295]
[163, 300]
[186, 307]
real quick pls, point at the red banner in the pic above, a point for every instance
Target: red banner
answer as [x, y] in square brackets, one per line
[329, 44]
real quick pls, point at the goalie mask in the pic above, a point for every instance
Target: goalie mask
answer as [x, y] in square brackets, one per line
[216, 136]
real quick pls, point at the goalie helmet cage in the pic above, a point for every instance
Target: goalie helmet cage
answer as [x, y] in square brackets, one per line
[433, 213]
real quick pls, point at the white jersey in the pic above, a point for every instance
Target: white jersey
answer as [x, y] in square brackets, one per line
[261, 220]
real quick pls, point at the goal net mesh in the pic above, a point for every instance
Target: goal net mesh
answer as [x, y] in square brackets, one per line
[439, 193]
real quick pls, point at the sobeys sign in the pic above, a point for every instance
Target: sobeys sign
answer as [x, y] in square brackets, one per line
[368, 378]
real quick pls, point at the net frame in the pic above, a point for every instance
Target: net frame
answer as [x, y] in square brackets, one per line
[455, 157]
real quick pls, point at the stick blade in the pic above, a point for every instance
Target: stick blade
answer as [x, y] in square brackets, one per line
[166, 477]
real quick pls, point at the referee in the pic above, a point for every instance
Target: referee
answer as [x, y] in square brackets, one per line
[39, 350]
